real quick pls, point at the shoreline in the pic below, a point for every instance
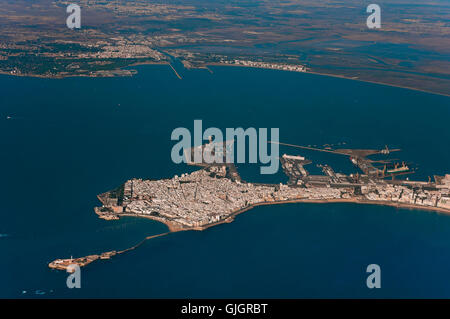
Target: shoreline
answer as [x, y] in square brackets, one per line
[205, 67]
[325, 201]
[337, 76]
[173, 227]
[62, 264]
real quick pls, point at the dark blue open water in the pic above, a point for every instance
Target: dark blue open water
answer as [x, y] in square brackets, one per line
[69, 140]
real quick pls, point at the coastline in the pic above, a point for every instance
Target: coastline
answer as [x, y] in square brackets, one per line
[325, 201]
[173, 227]
[62, 264]
[337, 76]
[205, 67]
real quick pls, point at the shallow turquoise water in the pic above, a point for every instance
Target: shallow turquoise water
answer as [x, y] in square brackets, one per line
[69, 140]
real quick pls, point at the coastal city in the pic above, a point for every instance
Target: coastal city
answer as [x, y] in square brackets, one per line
[216, 193]
[208, 196]
[213, 152]
[265, 65]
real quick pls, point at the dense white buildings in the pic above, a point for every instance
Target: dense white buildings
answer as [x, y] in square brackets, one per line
[208, 196]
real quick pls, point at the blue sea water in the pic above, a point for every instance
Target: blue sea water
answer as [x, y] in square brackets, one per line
[62, 142]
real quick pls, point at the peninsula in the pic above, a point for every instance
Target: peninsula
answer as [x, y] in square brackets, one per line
[215, 194]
